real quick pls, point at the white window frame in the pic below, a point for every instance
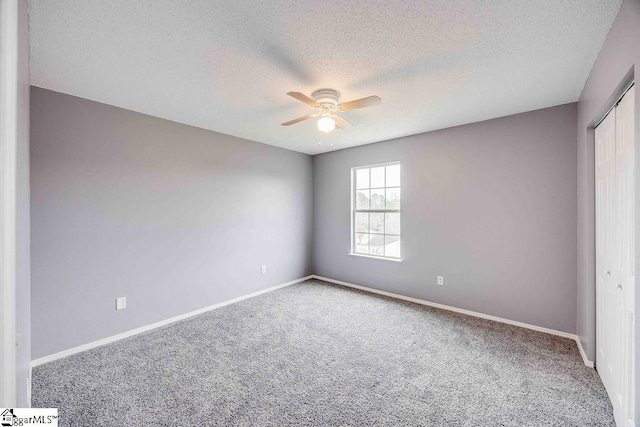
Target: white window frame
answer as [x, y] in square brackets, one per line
[354, 210]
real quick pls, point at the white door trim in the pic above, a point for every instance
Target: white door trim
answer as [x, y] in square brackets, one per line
[8, 150]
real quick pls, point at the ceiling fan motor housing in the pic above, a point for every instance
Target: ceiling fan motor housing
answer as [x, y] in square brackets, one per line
[327, 98]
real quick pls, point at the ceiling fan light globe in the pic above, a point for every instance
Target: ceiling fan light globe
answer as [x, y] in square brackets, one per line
[326, 124]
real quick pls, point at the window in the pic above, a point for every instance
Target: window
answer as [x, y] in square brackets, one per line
[375, 211]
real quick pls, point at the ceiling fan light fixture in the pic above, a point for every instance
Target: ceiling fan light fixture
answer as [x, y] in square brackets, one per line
[326, 124]
[325, 102]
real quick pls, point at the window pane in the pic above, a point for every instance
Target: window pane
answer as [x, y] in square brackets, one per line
[392, 246]
[362, 178]
[377, 177]
[376, 244]
[362, 222]
[377, 223]
[362, 243]
[377, 199]
[393, 198]
[362, 199]
[392, 223]
[393, 176]
[377, 189]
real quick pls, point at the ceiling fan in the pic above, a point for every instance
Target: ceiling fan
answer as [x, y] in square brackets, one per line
[325, 101]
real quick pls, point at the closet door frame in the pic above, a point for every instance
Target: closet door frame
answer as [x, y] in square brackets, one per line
[8, 150]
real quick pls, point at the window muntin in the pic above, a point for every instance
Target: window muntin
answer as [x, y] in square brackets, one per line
[375, 219]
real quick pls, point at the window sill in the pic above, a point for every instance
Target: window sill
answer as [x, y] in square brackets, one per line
[375, 257]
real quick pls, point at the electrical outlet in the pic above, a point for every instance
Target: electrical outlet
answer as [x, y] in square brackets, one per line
[264, 269]
[440, 281]
[121, 303]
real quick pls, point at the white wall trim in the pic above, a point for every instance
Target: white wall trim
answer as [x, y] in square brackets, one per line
[29, 384]
[108, 340]
[8, 159]
[114, 338]
[574, 337]
[585, 359]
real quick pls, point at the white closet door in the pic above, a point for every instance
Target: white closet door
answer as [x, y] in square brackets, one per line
[605, 138]
[623, 270]
[615, 270]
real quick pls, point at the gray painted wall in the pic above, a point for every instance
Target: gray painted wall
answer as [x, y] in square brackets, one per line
[490, 206]
[173, 217]
[616, 62]
[23, 289]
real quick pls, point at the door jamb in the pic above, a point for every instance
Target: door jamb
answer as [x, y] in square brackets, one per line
[8, 158]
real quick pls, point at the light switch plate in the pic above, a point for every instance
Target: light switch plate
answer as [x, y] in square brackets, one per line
[440, 280]
[121, 303]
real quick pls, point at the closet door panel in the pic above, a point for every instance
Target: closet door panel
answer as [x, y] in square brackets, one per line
[605, 244]
[615, 269]
[624, 269]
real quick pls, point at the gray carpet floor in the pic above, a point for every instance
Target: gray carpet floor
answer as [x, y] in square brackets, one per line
[316, 354]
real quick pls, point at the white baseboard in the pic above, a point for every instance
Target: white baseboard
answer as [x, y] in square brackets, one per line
[585, 359]
[94, 344]
[574, 337]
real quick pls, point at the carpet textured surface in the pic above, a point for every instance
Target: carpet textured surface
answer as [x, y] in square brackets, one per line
[316, 354]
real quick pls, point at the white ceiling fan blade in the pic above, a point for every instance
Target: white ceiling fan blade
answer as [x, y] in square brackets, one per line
[303, 98]
[298, 120]
[369, 101]
[341, 122]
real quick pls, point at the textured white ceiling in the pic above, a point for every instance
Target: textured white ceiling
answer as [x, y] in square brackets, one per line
[227, 65]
